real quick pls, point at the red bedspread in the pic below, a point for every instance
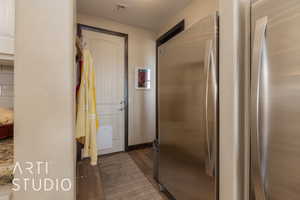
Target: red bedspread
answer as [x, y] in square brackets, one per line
[6, 131]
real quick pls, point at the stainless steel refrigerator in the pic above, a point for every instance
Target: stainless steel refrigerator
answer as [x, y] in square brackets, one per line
[188, 112]
[275, 100]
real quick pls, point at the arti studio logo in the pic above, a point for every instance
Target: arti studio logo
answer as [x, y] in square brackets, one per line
[38, 180]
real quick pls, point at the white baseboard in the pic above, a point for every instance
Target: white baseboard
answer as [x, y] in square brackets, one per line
[5, 192]
[5, 197]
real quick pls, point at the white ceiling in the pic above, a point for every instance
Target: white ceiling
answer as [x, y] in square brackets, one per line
[149, 14]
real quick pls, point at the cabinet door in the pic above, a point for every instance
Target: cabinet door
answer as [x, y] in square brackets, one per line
[7, 26]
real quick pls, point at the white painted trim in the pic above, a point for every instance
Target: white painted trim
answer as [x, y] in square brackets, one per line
[5, 197]
[5, 192]
[6, 58]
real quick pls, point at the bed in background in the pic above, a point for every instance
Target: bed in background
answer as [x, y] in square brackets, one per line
[6, 147]
[6, 123]
[6, 131]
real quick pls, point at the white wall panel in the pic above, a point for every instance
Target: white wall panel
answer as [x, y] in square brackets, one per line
[7, 26]
[6, 86]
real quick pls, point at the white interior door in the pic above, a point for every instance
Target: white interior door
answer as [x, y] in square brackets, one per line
[108, 55]
[7, 26]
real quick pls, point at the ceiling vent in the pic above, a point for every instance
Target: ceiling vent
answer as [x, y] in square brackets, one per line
[121, 7]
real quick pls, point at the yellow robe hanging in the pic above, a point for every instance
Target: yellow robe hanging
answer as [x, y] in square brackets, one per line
[87, 121]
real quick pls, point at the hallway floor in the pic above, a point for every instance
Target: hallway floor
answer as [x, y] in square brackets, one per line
[121, 176]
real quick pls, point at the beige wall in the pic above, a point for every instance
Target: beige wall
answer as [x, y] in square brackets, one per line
[142, 50]
[192, 13]
[44, 93]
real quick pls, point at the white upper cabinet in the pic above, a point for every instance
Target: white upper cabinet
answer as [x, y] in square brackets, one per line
[7, 28]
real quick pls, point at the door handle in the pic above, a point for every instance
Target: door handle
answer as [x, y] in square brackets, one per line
[257, 60]
[211, 88]
[123, 102]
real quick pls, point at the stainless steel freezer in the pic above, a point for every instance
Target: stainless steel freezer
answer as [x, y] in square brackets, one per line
[188, 112]
[275, 100]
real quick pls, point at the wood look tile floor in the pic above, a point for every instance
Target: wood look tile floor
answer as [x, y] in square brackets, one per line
[121, 176]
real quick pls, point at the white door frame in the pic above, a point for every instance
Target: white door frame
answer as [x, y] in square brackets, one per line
[81, 27]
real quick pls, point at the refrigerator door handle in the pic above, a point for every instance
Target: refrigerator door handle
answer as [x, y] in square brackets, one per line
[257, 60]
[211, 88]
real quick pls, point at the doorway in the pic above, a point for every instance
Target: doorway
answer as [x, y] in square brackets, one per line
[110, 54]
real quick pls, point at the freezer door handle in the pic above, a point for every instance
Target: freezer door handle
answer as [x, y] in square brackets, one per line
[210, 107]
[258, 56]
